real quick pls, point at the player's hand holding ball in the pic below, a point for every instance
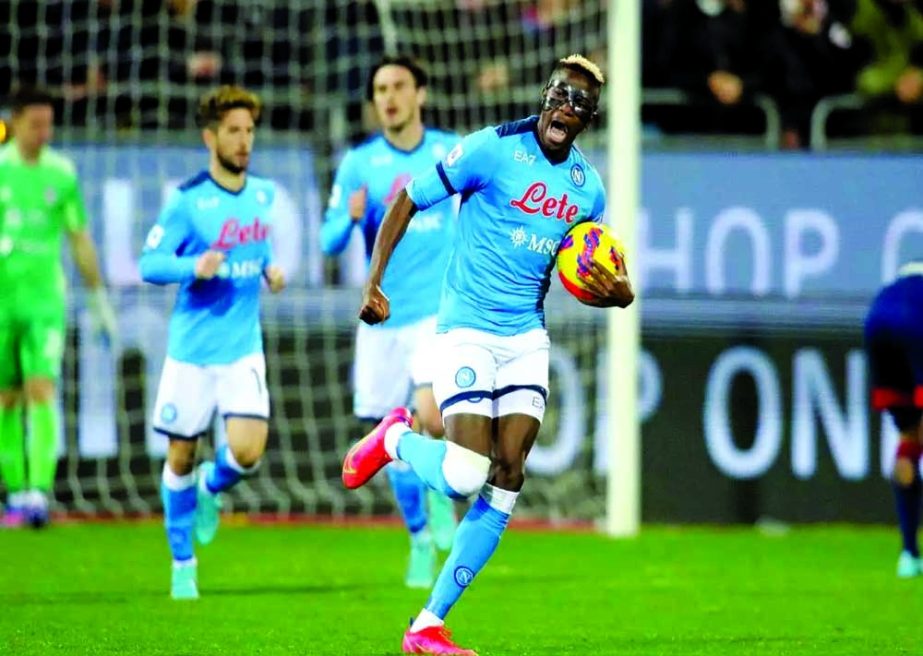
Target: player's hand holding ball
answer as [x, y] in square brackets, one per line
[591, 266]
[375, 305]
[206, 267]
[608, 289]
[275, 278]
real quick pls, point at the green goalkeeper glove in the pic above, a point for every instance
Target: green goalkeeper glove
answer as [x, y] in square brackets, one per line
[102, 316]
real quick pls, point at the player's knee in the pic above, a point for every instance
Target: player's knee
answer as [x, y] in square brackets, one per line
[431, 423]
[904, 472]
[10, 399]
[509, 474]
[39, 390]
[465, 471]
[907, 462]
[181, 456]
[248, 456]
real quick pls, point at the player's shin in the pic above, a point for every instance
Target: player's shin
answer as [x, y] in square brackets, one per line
[476, 540]
[227, 472]
[12, 450]
[908, 490]
[444, 466]
[178, 493]
[43, 445]
[409, 492]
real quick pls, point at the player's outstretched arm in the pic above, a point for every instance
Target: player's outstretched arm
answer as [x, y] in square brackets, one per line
[375, 305]
[608, 289]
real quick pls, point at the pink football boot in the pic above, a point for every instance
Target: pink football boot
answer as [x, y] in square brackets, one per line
[436, 640]
[368, 456]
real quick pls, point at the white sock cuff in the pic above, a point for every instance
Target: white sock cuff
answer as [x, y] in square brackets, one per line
[175, 482]
[425, 620]
[464, 470]
[236, 466]
[393, 435]
[499, 499]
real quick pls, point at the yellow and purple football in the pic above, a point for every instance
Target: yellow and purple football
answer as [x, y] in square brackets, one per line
[584, 243]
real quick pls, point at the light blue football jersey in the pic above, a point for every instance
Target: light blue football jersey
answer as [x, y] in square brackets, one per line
[214, 321]
[516, 206]
[413, 280]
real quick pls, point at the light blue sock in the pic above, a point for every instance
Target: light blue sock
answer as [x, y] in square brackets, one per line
[179, 500]
[476, 540]
[226, 472]
[409, 492]
[425, 455]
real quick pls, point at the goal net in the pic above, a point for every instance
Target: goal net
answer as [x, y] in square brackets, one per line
[128, 74]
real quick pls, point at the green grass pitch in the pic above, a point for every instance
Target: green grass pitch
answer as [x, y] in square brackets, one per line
[311, 590]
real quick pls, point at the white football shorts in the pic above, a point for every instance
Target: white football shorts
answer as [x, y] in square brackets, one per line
[390, 364]
[189, 394]
[492, 375]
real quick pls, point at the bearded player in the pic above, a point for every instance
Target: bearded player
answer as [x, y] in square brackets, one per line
[212, 238]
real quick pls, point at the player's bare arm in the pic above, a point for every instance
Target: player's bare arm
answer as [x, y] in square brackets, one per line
[608, 289]
[375, 305]
[84, 253]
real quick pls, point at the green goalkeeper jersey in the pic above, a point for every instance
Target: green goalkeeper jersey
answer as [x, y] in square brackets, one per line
[39, 203]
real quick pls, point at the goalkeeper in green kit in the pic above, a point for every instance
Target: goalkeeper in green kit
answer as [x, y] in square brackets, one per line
[40, 201]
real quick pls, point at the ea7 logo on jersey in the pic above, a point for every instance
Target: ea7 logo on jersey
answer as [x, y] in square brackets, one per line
[523, 156]
[207, 203]
[536, 200]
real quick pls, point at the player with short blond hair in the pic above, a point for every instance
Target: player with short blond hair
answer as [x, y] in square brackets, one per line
[212, 238]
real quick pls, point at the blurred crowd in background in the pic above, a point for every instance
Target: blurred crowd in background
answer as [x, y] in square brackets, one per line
[139, 64]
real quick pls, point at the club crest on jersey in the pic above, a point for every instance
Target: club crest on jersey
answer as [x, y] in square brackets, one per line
[536, 200]
[261, 197]
[233, 234]
[51, 195]
[577, 175]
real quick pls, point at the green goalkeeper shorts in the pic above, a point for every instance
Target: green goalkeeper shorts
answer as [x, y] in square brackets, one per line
[31, 346]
